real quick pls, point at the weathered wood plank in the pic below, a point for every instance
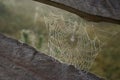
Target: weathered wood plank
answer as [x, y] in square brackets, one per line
[19, 61]
[93, 10]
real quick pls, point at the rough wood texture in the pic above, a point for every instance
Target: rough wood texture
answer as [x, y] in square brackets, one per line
[93, 10]
[19, 61]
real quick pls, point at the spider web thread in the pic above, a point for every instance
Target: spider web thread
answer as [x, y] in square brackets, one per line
[70, 42]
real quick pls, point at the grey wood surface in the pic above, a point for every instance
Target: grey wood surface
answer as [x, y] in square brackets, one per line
[19, 61]
[94, 10]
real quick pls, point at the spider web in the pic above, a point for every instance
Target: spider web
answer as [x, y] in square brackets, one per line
[70, 42]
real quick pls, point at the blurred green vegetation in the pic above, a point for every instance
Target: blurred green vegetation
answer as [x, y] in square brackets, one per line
[17, 22]
[107, 62]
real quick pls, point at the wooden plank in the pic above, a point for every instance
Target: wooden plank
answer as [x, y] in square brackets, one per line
[22, 62]
[92, 10]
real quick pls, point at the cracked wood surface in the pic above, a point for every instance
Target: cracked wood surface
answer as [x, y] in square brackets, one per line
[19, 61]
[93, 10]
